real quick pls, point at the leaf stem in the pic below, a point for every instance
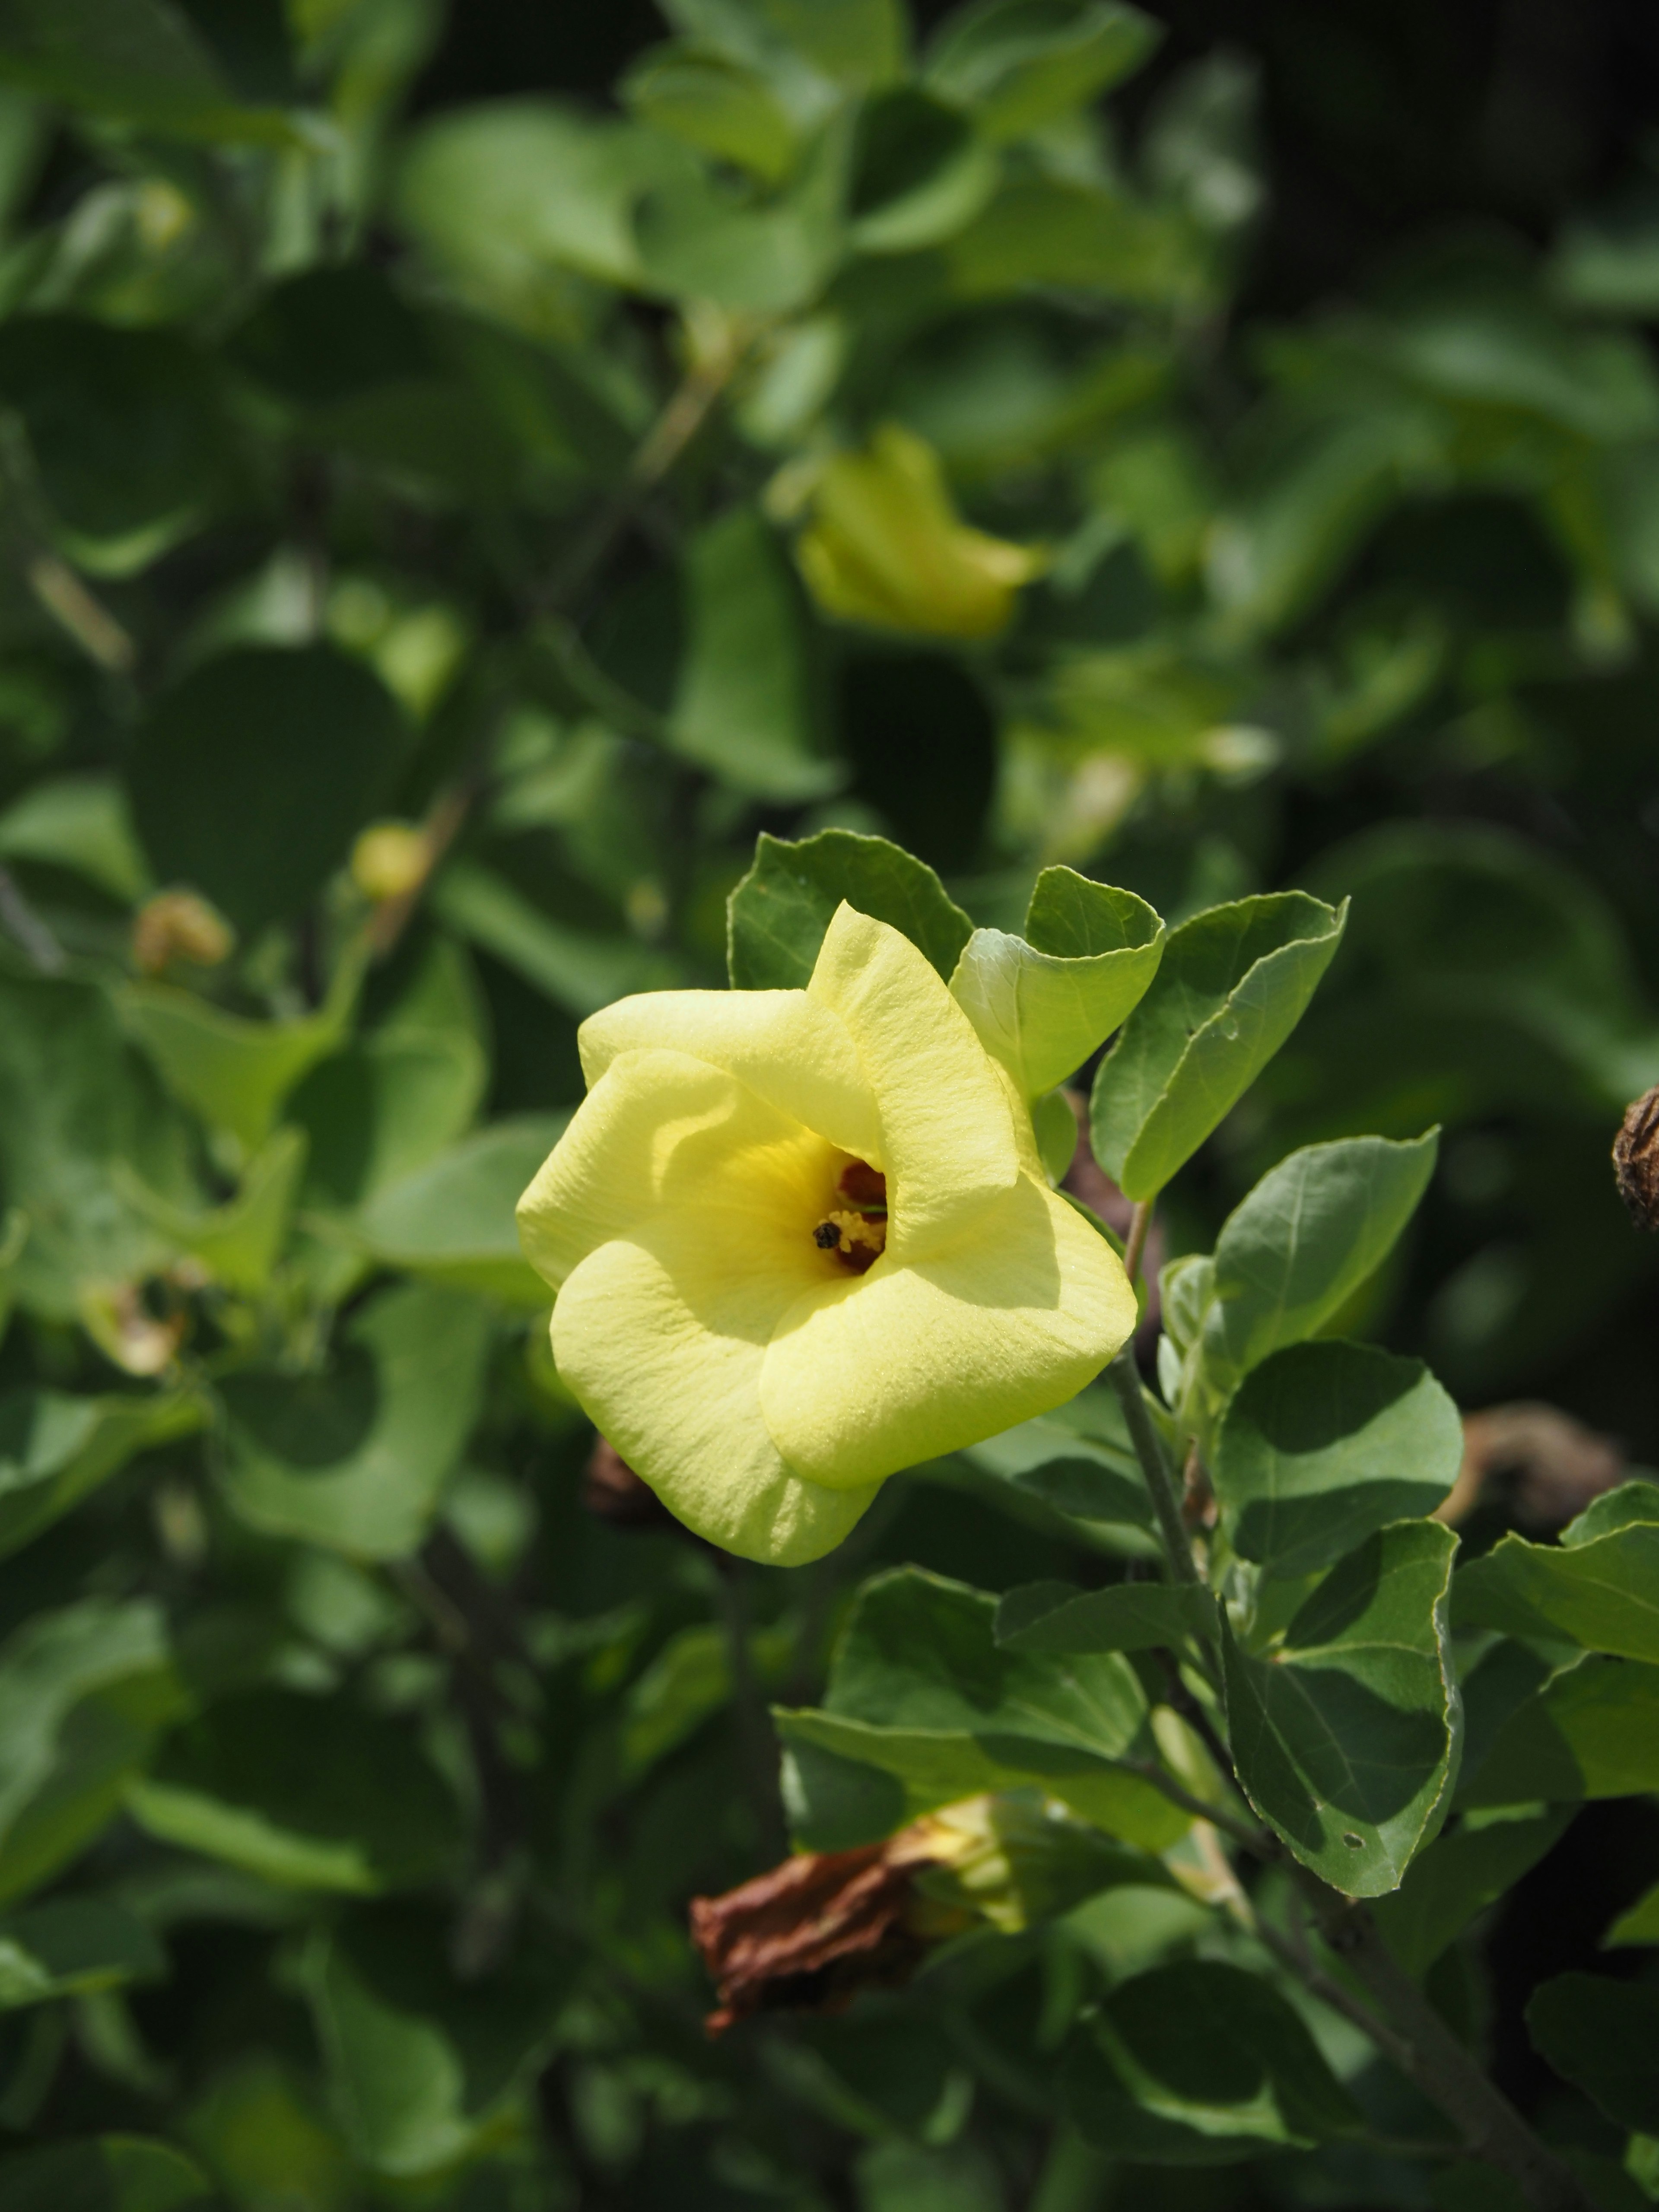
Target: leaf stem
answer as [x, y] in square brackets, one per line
[1125, 1379]
[1257, 1841]
[1139, 1221]
[1431, 2056]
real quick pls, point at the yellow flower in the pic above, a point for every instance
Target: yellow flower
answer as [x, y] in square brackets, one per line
[802, 1239]
[885, 546]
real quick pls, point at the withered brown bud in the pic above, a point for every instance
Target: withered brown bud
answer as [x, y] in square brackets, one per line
[1635, 1160]
[809, 1935]
[612, 1492]
[1543, 1464]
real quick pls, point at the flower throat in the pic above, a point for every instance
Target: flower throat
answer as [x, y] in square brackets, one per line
[856, 1232]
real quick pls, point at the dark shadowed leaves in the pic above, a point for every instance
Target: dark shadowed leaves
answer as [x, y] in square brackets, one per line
[253, 774]
[1325, 1443]
[308, 1792]
[1346, 1737]
[121, 426]
[1198, 2065]
[1603, 2036]
[919, 1688]
[1128, 1617]
[355, 1456]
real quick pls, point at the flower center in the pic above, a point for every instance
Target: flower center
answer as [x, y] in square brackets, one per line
[857, 1231]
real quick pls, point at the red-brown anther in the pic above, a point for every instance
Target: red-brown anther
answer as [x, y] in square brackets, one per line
[808, 1935]
[1635, 1160]
[865, 1186]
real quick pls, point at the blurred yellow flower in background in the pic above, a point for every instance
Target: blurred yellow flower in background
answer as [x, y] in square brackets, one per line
[802, 1239]
[886, 546]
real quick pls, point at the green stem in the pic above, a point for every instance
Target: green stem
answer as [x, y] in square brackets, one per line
[1431, 2056]
[1125, 1378]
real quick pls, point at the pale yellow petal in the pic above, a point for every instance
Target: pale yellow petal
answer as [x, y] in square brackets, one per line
[663, 1344]
[876, 1372]
[946, 1129]
[790, 1049]
[660, 1131]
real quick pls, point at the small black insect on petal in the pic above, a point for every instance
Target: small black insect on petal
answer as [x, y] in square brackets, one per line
[826, 1235]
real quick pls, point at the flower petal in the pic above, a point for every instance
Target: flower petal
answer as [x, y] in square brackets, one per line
[946, 1130]
[661, 1131]
[665, 1349]
[874, 1373]
[789, 1049]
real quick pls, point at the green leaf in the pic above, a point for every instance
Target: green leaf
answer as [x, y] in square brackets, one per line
[778, 913]
[82, 1692]
[1085, 236]
[1346, 1738]
[1128, 1617]
[233, 1072]
[920, 172]
[1602, 1594]
[1043, 1002]
[849, 43]
[1325, 1443]
[695, 241]
[355, 1458]
[1017, 64]
[73, 1102]
[1233, 984]
[1458, 1876]
[741, 705]
[395, 1096]
[81, 823]
[253, 775]
[54, 1450]
[506, 195]
[919, 1688]
[1055, 1126]
[107, 2173]
[71, 1946]
[1632, 1505]
[239, 1243]
[452, 1220]
[1325, 485]
[1082, 1466]
[1638, 1924]
[1591, 1732]
[306, 1792]
[418, 2058]
[138, 61]
[1296, 1250]
[1200, 2063]
[1601, 2036]
[715, 104]
[122, 425]
[577, 968]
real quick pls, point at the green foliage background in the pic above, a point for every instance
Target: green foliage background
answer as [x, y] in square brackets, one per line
[376, 452]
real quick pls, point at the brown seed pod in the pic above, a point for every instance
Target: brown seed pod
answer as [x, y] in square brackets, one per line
[1635, 1160]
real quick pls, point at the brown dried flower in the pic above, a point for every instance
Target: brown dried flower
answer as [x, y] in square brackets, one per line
[1635, 1160]
[1546, 1465]
[810, 1933]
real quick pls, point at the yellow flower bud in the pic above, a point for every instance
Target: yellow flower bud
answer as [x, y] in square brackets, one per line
[389, 859]
[886, 547]
[180, 925]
